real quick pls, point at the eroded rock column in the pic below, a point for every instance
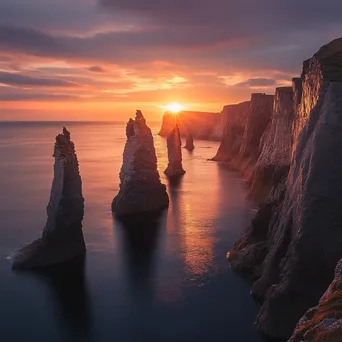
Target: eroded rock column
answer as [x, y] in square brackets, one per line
[174, 151]
[140, 187]
[62, 237]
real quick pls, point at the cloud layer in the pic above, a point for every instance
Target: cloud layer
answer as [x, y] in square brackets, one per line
[152, 51]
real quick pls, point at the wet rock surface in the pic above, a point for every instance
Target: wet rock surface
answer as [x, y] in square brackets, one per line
[174, 150]
[62, 237]
[140, 187]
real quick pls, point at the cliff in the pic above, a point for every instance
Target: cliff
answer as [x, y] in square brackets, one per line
[62, 237]
[236, 117]
[200, 124]
[274, 160]
[245, 125]
[295, 240]
[219, 127]
[322, 323]
[140, 187]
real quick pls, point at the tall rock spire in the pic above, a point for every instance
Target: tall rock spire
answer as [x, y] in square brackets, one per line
[140, 189]
[62, 237]
[174, 151]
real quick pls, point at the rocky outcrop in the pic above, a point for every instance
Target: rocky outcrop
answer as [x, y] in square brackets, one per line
[140, 189]
[274, 161]
[322, 323]
[199, 124]
[189, 142]
[62, 237]
[295, 240]
[234, 130]
[174, 150]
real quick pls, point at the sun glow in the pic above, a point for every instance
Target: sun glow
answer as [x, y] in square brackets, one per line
[174, 107]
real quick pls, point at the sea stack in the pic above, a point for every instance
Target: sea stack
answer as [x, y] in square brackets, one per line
[140, 187]
[62, 237]
[189, 142]
[174, 151]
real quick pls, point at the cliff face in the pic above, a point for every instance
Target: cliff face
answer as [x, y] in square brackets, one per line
[295, 240]
[245, 125]
[236, 117]
[200, 124]
[274, 160]
[257, 121]
[322, 323]
[219, 128]
[140, 187]
[62, 235]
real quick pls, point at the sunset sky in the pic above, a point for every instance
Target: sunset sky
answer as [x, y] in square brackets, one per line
[100, 60]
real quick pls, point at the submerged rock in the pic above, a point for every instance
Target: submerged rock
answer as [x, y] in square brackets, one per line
[189, 142]
[174, 151]
[62, 237]
[140, 189]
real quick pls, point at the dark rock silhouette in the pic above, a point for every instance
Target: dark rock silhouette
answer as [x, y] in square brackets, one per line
[62, 235]
[140, 189]
[174, 150]
[189, 142]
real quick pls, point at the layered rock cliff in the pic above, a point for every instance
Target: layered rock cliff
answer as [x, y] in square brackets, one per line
[323, 323]
[174, 150]
[62, 235]
[245, 125]
[140, 187]
[274, 161]
[200, 124]
[236, 118]
[219, 127]
[295, 240]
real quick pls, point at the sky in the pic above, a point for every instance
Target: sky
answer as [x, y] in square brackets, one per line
[103, 59]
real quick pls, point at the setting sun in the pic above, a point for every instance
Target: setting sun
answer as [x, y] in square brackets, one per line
[174, 107]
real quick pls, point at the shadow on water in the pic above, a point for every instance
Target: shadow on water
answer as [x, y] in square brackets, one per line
[140, 235]
[67, 284]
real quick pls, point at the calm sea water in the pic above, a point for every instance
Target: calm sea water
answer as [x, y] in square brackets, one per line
[169, 283]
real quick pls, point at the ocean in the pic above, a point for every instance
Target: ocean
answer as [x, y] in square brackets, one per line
[170, 283]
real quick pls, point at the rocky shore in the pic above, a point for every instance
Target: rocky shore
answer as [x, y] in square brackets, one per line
[291, 157]
[62, 237]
